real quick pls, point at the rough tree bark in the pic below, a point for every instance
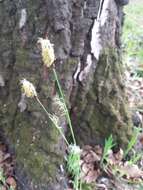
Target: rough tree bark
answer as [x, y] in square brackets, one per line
[90, 69]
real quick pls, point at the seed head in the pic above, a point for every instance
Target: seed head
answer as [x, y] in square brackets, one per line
[28, 88]
[47, 49]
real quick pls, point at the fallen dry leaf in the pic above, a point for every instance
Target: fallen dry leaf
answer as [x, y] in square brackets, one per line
[98, 150]
[91, 157]
[91, 176]
[89, 162]
[85, 168]
[115, 158]
[11, 182]
[130, 171]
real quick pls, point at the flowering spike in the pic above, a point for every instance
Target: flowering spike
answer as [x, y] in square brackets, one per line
[48, 55]
[28, 88]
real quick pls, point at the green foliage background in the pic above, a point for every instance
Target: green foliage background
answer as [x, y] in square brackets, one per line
[133, 35]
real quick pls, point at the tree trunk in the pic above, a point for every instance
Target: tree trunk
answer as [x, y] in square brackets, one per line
[86, 37]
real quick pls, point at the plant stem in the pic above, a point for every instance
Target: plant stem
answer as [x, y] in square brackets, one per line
[67, 112]
[132, 141]
[52, 120]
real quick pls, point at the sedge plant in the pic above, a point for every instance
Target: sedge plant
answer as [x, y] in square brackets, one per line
[135, 158]
[132, 141]
[73, 157]
[109, 144]
[48, 58]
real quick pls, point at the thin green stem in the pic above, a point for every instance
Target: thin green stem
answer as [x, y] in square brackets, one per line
[77, 182]
[67, 112]
[48, 114]
[80, 187]
[42, 106]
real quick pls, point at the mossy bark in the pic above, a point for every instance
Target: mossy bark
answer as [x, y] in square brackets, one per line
[102, 111]
[95, 100]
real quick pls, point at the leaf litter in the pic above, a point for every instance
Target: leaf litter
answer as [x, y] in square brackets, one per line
[7, 162]
[117, 170]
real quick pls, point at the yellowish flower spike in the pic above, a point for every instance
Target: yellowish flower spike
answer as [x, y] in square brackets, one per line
[48, 55]
[28, 88]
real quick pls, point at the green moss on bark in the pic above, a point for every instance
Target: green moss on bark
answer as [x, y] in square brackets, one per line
[104, 106]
